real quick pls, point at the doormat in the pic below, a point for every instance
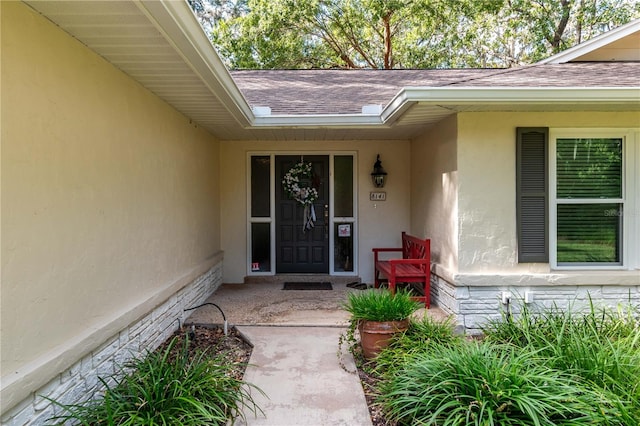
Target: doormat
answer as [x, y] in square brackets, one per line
[307, 286]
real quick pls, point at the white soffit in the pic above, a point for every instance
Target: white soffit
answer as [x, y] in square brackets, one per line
[161, 45]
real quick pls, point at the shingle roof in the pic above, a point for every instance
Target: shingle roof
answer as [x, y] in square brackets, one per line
[346, 91]
[574, 74]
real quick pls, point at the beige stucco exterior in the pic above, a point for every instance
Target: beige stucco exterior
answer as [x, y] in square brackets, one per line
[486, 159]
[463, 192]
[113, 202]
[463, 188]
[380, 223]
[434, 192]
[110, 198]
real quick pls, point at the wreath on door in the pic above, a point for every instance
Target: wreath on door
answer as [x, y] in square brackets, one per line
[297, 183]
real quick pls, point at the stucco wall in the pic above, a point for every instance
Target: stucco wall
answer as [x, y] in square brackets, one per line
[434, 192]
[476, 219]
[380, 223]
[109, 198]
[486, 160]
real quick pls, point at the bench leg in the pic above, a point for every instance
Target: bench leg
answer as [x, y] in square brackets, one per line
[427, 295]
[392, 285]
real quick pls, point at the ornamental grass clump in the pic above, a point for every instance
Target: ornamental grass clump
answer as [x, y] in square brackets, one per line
[380, 316]
[421, 334]
[167, 387]
[599, 347]
[380, 305]
[479, 383]
[554, 367]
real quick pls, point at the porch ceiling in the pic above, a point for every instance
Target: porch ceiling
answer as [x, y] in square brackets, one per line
[161, 45]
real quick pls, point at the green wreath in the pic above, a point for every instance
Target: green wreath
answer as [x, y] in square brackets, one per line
[305, 195]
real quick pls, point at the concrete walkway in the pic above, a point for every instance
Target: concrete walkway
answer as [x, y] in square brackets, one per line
[295, 334]
[299, 371]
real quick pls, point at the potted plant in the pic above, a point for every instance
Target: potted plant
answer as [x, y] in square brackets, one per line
[378, 315]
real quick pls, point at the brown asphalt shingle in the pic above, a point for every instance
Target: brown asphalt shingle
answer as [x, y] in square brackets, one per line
[346, 91]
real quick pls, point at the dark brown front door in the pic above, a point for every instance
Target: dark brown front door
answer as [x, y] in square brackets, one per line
[300, 250]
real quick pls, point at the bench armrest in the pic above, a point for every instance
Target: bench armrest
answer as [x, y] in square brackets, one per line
[383, 250]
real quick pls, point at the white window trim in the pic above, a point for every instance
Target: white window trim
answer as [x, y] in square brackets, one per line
[630, 258]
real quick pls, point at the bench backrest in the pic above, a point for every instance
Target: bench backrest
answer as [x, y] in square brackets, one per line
[415, 248]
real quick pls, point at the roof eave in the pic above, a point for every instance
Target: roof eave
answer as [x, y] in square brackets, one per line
[451, 97]
[318, 120]
[593, 44]
[180, 27]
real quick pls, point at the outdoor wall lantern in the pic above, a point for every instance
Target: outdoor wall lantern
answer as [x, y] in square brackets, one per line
[378, 175]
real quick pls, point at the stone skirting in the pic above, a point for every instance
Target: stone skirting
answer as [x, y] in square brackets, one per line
[80, 382]
[472, 306]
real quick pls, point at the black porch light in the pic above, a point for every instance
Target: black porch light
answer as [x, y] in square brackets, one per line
[378, 175]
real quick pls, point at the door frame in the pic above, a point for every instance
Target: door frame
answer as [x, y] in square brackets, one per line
[272, 209]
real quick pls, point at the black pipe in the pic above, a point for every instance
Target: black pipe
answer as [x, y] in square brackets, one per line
[225, 329]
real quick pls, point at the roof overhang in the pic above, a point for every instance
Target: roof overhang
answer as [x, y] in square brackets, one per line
[188, 74]
[458, 99]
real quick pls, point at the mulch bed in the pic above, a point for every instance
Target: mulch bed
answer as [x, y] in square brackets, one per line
[369, 382]
[233, 348]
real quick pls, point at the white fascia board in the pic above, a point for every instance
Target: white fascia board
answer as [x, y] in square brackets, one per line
[180, 27]
[319, 120]
[593, 44]
[452, 96]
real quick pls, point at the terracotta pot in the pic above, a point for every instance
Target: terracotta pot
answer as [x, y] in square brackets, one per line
[376, 335]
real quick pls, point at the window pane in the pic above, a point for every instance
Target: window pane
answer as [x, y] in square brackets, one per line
[589, 233]
[343, 186]
[260, 184]
[343, 253]
[260, 247]
[589, 168]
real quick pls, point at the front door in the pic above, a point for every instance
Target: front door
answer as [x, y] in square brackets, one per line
[302, 243]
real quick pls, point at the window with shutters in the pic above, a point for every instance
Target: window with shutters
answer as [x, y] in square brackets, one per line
[577, 197]
[588, 198]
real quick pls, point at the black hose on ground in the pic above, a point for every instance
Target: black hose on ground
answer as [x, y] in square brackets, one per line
[224, 318]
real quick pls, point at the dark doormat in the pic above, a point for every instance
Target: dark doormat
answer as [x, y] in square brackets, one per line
[307, 286]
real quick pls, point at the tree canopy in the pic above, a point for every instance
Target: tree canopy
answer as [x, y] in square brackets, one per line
[384, 34]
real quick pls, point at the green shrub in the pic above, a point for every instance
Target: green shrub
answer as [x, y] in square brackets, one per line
[479, 383]
[167, 387]
[422, 334]
[599, 347]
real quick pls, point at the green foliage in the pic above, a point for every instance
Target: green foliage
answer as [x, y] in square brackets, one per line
[421, 335]
[264, 34]
[380, 305]
[601, 348]
[373, 305]
[555, 367]
[480, 384]
[167, 387]
[427, 331]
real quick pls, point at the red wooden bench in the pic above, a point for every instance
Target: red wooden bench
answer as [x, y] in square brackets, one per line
[414, 267]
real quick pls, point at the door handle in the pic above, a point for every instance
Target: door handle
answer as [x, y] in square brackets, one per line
[326, 221]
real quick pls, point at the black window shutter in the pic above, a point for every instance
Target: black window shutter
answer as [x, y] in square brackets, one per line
[532, 194]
